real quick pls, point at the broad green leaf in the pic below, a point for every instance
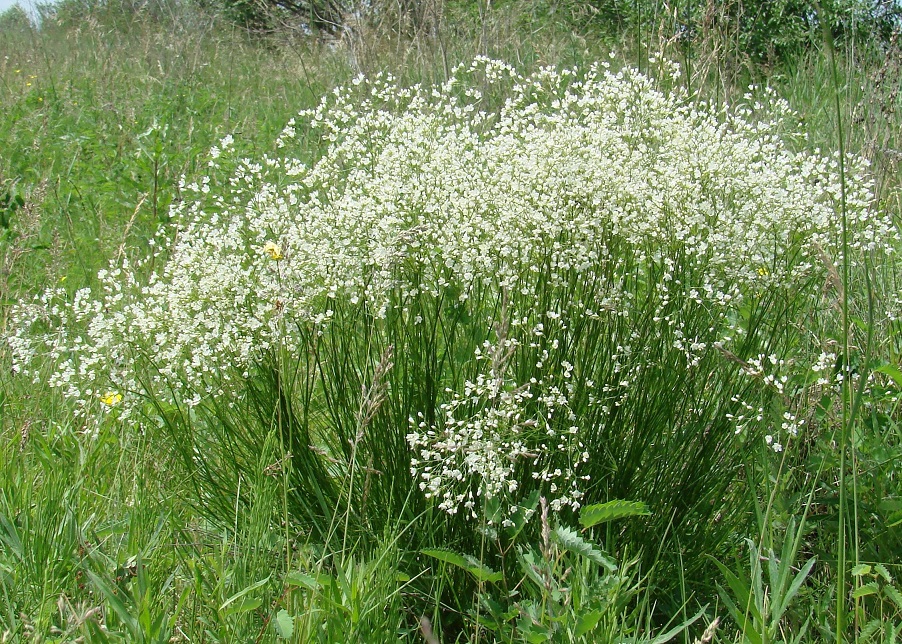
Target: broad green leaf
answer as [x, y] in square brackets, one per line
[297, 578]
[860, 570]
[244, 606]
[284, 624]
[242, 593]
[892, 371]
[587, 622]
[865, 590]
[592, 515]
[447, 556]
[519, 518]
[572, 541]
[492, 509]
[466, 562]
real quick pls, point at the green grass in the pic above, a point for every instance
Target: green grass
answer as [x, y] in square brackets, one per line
[219, 523]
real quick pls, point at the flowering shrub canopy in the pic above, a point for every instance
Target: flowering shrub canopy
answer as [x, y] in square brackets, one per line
[586, 196]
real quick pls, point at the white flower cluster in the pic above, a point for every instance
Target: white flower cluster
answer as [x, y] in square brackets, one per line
[590, 178]
[486, 437]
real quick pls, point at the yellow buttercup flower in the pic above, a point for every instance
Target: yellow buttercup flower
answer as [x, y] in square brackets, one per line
[111, 398]
[762, 272]
[273, 250]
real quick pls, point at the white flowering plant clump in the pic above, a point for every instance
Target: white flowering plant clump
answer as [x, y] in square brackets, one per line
[486, 432]
[646, 248]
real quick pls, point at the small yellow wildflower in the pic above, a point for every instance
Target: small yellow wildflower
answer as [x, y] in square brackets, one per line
[273, 250]
[762, 272]
[111, 398]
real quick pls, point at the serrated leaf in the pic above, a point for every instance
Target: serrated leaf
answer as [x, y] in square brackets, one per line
[572, 541]
[284, 624]
[865, 590]
[860, 570]
[870, 629]
[883, 572]
[592, 515]
[481, 571]
[446, 556]
[894, 595]
[466, 562]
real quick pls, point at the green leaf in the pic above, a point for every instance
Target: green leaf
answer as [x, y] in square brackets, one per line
[860, 570]
[592, 515]
[865, 590]
[297, 578]
[669, 635]
[466, 562]
[587, 622]
[795, 586]
[112, 596]
[284, 624]
[571, 541]
[883, 572]
[447, 556]
[244, 606]
[242, 593]
[892, 371]
[870, 629]
[519, 517]
[492, 510]
[894, 595]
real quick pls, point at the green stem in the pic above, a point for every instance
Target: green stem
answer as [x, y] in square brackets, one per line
[847, 403]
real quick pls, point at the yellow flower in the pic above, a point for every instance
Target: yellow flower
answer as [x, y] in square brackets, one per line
[273, 250]
[111, 398]
[762, 272]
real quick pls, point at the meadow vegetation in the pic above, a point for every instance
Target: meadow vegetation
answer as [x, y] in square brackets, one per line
[567, 322]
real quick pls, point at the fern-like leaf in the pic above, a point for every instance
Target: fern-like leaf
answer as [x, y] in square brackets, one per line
[611, 511]
[572, 541]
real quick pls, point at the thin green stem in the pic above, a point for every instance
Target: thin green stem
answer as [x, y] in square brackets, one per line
[847, 415]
